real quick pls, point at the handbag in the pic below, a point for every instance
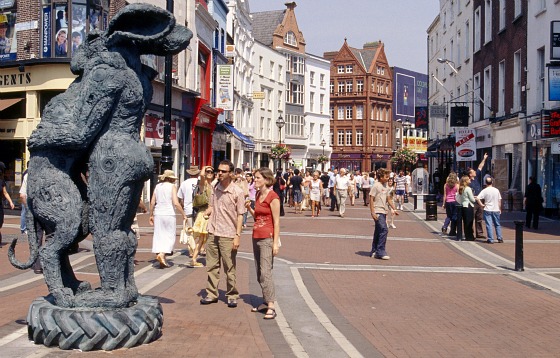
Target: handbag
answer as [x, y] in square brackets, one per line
[187, 237]
[200, 199]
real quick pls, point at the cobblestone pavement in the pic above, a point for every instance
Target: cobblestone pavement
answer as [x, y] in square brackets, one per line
[435, 297]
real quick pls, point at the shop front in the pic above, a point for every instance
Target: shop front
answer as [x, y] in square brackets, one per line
[350, 161]
[24, 93]
[202, 133]
[543, 160]
[379, 160]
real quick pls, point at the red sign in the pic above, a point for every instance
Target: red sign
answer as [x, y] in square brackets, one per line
[154, 127]
[551, 125]
[464, 140]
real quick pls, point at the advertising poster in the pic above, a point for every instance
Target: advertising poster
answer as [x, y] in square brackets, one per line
[154, 130]
[8, 45]
[465, 144]
[225, 87]
[405, 100]
[410, 94]
[554, 83]
[46, 32]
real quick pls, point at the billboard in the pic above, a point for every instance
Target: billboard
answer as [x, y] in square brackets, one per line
[225, 87]
[465, 145]
[8, 45]
[410, 96]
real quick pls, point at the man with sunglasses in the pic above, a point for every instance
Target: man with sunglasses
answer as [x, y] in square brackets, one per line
[226, 209]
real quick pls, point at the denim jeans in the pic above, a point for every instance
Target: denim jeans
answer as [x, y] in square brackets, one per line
[22, 221]
[451, 214]
[380, 236]
[493, 218]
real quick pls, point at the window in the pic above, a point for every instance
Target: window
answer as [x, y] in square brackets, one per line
[378, 70]
[349, 112]
[294, 125]
[288, 62]
[262, 129]
[467, 40]
[476, 88]
[297, 93]
[340, 113]
[501, 87]
[331, 111]
[382, 70]
[280, 74]
[340, 69]
[349, 86]
[359, 137]
[312, 133]
[349, 68]
[477, 30]
[298, 65]
[321, 103]
[348, 137]
[517, 8]
[312, 101]
[269, 129]
[488, 21]
[331, 135]
[540, 76]
[279, 99]
[331, 87]
[459, 59]
[340, 137]
[541, 5]
[517, 81]
[360, 86]
[260, 65]
[502, 14]
[360, 112]
[487, 91]
[322, 80]
[66, 31]
[312, 78]
[269, 98]
[290, 39]
[341, 87]
[271, 70]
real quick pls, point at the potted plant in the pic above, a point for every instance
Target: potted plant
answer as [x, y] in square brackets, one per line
[322, 159]
[280, 152]
[404, 157]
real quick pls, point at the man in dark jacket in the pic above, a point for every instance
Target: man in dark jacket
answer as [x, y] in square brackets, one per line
[533, 203]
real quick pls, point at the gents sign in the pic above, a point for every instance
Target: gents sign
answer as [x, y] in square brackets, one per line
[551, 125]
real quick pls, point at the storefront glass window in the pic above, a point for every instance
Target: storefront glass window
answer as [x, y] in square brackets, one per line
[65, 24]
[8, 45]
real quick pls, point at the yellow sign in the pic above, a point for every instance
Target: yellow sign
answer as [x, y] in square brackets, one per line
[258, 95]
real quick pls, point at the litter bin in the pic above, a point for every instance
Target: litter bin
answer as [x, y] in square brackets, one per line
[431, 207]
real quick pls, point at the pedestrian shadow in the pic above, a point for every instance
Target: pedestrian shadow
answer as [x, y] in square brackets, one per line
[164, 299]
[250, 299]
[363, 253]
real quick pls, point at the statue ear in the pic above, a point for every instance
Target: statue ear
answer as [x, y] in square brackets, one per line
[150, 29]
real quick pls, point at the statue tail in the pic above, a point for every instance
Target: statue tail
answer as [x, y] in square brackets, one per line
[33, 245]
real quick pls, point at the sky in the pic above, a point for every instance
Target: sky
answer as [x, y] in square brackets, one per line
[400, 24]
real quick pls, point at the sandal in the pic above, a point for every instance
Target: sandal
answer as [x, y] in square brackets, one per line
[270, 315]
[260, 308]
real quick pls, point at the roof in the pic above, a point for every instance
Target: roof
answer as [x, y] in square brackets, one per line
[265, 23]
[367, 54]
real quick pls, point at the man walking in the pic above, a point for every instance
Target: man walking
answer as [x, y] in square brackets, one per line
[332, 193]
[341, 191]
[475, 176]
[380, 202]
[296, 182]
[492, 209]
[325, 194]
[186, 192]
[400, 189]
[226, 209]
[533, 202]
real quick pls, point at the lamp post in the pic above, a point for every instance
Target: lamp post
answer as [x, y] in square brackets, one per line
[280, 123]
[166, 147]
[323, 144]
[406, 125]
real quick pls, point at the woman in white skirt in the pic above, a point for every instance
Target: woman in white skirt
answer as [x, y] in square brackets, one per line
[315, 194]
[162, 216]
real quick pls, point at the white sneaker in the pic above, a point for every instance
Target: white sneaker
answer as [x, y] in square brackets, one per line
[393, 226]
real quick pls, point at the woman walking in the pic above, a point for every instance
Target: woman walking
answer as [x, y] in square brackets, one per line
[466, 198]
[279, 188]
[366, 187]
[449, 192]
[3, 194]
[251, 198]
[391, 186]
[315, 194]
[266, 236]
[200, 202]
[162, 216]
[352, 189]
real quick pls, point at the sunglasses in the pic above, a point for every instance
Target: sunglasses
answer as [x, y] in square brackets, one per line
[209, 172]
[223, 171]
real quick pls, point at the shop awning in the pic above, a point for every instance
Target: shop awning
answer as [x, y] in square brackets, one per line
[248, 142]
[5, 103]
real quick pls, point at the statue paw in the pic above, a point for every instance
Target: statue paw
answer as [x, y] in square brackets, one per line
[84, 286]
[64, 297]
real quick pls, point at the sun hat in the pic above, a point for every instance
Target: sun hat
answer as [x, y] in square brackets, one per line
[167, 174]
[193, 170]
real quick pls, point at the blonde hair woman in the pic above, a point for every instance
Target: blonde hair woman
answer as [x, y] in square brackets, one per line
[162, 217]
[466, 198]
[201, 200]
[316, 186]
[450, 190]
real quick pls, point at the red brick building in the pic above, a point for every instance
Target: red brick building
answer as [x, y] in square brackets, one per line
[361, 107]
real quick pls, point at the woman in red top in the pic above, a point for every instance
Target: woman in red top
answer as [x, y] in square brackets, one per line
[266, 235]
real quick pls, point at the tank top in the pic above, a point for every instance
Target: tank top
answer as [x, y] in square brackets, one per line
[264, 225]
[315, 187]
[450, 198]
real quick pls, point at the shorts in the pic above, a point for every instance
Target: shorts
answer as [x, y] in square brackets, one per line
[297, 196]
[399, 192]
[326, 192]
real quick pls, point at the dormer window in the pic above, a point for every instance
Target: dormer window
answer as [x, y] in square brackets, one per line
[290, 39]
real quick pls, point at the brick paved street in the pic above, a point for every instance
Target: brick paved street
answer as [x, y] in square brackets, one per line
[435, 297]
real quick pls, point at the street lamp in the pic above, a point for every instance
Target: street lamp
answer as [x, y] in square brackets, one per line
[323, 144]
[280, 123]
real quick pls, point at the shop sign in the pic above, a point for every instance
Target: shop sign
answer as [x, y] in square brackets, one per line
[154, 130]
[230, 51]
[15, 79]
[225, 87]
[346, 156]
[554, 83]
[550, 125]
[465, 145]
[555, 147]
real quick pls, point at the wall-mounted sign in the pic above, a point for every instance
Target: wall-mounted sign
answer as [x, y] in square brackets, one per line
[554, 83]
[230, 50]
[258, 95]
[550, 124]
[555, 40]
[225, 87]
[555, 147]
[465, 144]
[437, 111]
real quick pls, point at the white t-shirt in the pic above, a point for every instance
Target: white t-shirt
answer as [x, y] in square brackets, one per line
[342, 182]
[185, 193]
[23, 188]
[491, 197]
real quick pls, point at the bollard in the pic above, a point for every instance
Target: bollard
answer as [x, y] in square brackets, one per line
[459, 221]
[519, 245]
